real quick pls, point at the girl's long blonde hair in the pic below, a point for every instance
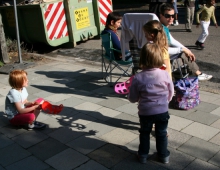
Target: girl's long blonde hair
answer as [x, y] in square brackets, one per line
[155, 27]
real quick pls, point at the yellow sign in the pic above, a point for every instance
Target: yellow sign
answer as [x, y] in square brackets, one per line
[82, 18]
[10, 17]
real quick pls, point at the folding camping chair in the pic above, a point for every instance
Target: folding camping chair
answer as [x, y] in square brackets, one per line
[109, 66]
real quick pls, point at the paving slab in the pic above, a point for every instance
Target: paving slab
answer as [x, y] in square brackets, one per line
[178, 160]
[86, 143]
[5, 141]
[125, 121]
[47, 149]
[103, 90]
[201, 165]
[131, 163]
[112, 103]
[104, 113]
[71, 102]
[12, 153]
[215, 160]
[66, 134]
[216, 124]
[94, 98]
[176, 138]
[91, 165]
[199, 148]
[119, 136]
[29, 138]
[57, 97]
[87, 106]
[129, 108]
[208, 98]
[216, 139]
[178, 123]
[35, 163]
[12, 131]
[98, 128]
[206, 107]
[202, 117]
[216, 112]
[109, 155]
[181, 113]
[67, 159]
[201, 131]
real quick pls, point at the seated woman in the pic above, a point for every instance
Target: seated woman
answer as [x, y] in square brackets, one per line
[113, 22]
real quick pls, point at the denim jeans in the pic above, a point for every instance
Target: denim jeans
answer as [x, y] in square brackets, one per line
[161, 123]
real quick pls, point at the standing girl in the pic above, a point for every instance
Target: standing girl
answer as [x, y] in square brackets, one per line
[17, 108]
[152, 88]
[154, 32]
[207, 12]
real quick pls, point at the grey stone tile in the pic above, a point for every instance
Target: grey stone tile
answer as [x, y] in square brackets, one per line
[28, 162]
[33, 90]
[215, 160]
[199, 148]
[4, 141]
[201, 165]
[125, 121]
[177, 138]
[12, 131]
[108, 155]
[207, 97]
[78, 121]
[201, 131]
[216, 112]
[216, 124]
[91, 165]
[129, 108]
[104, 113]
[178, 160]
[132, 163]
[71, 102]
[112, 103]
[202, 117]
[81, 144]
[75, 84]
[94, 98]
[119, 136]
[87, 106]
[43, 94]
[4, 90]
[12, 153]
[181, 113]
[103, 90]
[216, 139]
[2, 100]
[133, 146]
[29, 138]
[57, 97]
[84, 77]
[67, 159]
[98, 128]
[3, 120]
[216, 102]
[66, 134]
[206, 107]
[178, 123]
[47, 148]
[89, 87]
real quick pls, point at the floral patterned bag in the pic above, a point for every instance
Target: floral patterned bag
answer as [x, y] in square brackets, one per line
[187, 93]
